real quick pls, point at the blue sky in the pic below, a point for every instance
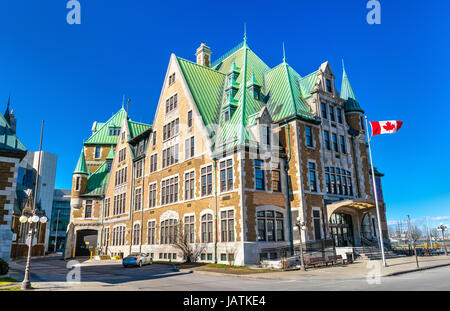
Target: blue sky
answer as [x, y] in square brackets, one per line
[72, 75]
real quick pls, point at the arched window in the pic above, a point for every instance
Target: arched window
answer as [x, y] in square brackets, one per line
[136, 234]
[270, 226]
[169, 231]
[207, 228]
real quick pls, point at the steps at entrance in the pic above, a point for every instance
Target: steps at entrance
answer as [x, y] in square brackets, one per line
[373, 253]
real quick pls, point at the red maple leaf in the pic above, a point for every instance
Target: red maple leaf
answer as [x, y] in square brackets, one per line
[389, 126]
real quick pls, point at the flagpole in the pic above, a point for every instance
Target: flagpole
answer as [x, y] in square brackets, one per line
[376, 197]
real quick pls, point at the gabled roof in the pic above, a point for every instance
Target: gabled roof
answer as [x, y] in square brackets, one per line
[137, 128]
[81, 165]
[110, 155]
[206, 87]
[97, 181]
[8, 139]
[307, 84]
[101, 136]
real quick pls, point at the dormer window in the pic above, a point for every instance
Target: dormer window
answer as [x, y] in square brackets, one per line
[114, 131]
[226, 116]
[329, 87]
[266, 131]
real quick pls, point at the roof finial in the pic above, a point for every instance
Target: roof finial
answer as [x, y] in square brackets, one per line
[343, 67]
[284, 54]
[128, 106]
[123, 100]
[245, 34]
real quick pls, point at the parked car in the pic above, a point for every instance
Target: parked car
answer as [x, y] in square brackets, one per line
[137, 259]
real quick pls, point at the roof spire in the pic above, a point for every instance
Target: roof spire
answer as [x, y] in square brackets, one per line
[6, 115]
[123, 100]
[284, 54]
[128, 106]
[347, 93]
[245, 34]
[81, 165]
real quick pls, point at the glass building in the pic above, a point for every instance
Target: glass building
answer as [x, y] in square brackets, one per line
[59, 220]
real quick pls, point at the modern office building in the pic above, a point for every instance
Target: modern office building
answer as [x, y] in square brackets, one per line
[59, 220]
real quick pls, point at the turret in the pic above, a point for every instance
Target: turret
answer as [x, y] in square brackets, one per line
[79, 181]
[353, 112]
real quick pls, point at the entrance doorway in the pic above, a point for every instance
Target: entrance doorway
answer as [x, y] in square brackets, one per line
[86, 242]
[342, 229]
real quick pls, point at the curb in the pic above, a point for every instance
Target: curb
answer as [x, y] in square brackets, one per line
[244, 276]
[415, 270]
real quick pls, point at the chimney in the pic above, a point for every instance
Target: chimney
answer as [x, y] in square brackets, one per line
[203, 55]
[12, 121]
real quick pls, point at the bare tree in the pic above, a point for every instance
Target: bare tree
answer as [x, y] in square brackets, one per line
[231, 253]
[185, 242]
[415, 234]
[434, 233]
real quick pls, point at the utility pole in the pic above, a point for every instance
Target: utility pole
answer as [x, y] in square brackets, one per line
[414, 242]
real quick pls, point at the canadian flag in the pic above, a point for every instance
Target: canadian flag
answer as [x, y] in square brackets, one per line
[385, 127]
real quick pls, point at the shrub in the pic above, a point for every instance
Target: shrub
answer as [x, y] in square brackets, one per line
[4, 267]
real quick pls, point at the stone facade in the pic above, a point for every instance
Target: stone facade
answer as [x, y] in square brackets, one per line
[308, 175]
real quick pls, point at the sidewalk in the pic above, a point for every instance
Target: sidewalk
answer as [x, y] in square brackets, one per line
[357, 270]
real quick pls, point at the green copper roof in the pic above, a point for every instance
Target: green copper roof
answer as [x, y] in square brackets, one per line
[8, 139]
[347, 93]
[110, 155]
[101, 136]
[206, 86]
[307, 84]
[81, 165]
[97, 181]
[137, 128]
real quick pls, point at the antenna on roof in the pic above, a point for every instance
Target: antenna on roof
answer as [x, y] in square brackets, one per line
[123, 100]
[245, 33]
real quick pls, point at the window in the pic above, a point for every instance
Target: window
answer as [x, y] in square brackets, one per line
[152, 195]
[276, 179]
[206, 180]
[209, 256]
[88, 209]
[327, 181]
[332, 118]
[151, 234]
[106, 207]
[362, 123]
[309, 136]
[207, 228]
[316, 220]
[138, 169]
[226, 175]
[259, 175]
[118, 236]
[171, 103]
[226, 116]
[171, 129]
[339, 115]
[78, 183]
[324, 110]
[266, 131]
[335, 143]
[141, 147]
[122, 154]
[189, 186]
[326, 136]
[154, 138]
[312, 177]
[114, 131]
[223, 257]
[189, 148]
[119, 204]
[189, 118]
[270, 226]
[138, 199]
[169, 190]
[189, 229]
[98, 152]
[123, 137]
[338, 181]
[120, 176]
[136, 234]
[329, 87]
[171, 79]
[169, 231]
[342, 141]
[170, 156]
[106, 237]
[153, 163]
[227, 225]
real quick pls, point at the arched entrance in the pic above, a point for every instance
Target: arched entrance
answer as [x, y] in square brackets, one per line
[86, 242]
[341, 226]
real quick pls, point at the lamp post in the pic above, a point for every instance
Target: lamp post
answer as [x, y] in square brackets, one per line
[443, 229]
[300, 227]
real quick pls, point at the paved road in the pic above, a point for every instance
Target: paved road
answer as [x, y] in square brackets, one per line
[50, 273]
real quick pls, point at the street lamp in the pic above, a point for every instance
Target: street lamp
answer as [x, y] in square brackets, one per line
[443, 229]
[33, 220]
[300, 227]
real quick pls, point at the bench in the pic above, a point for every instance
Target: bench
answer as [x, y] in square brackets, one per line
[315, 261]
[335, 259]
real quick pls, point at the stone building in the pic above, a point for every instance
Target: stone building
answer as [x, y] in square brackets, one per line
[236, 152]
[11, 153]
